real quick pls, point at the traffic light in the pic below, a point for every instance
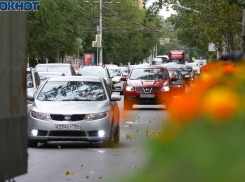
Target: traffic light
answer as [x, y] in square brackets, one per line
[216, 45]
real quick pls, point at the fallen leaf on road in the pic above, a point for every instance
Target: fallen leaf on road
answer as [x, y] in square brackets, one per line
[128, 137]
[81, 165]
[138, 131]
[122, 135]
[134, 133]
[68, 173]
[138, 117]
[87, 177]
[99, 153]
[134, 167]
[150, 121]
[154, 118]
[100, 177]
[138, 170]
[130, 126]
[147, 128]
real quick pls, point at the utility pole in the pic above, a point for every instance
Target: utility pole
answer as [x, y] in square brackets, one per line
[156, 49]
[100, 24]
[243, 29]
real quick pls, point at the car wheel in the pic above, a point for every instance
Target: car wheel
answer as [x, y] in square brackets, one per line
[32, 143]
[110, 142]
[127, 104]
[117, 134]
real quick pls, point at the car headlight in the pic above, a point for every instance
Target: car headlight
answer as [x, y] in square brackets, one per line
[96, 116]
[117, 80]
[129, 88]
[29, 101]
[39, 115]
[187, 76]
[165, 88]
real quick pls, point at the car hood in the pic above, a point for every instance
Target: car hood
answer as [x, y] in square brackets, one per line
[146, 83]
[70, 107]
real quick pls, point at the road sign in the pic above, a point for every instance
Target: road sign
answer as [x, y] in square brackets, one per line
[79, 41]
[162, 42]
[211, 47]
[193, 58]
[166, 41]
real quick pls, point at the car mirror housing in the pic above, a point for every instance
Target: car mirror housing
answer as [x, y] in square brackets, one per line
[111, 76]
[30, 96]
[174, 79]
[123, 78]
[78, 74]
[115, 97]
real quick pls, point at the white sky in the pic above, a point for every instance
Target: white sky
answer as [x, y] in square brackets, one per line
[162, 12]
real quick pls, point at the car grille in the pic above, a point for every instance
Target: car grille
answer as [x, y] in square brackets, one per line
[93, 133]
[141, 89]
[59, 117]
[67, 133]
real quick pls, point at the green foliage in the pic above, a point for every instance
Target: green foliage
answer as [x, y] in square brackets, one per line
[54, 28]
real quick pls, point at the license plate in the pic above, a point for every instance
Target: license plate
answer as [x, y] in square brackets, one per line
[67, 127]
[147, 95]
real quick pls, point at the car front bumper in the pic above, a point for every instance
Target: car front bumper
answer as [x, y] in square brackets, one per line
[88, 130]
[118, 87]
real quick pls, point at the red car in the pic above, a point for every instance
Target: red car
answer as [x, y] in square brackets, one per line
[148, 85]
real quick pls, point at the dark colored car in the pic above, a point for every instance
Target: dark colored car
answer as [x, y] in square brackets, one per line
[148, 85]
[187, 73]
[178, 85]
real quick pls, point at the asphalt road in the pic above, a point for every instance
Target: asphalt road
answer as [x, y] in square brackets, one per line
[91, 162]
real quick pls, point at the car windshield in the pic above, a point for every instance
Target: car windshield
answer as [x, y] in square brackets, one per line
[124, 72]
[156, 62]
[176, 60]
[148, 74]
[29, 80]
[114, 72]
[96, 72]
[174, 73]
[61, 69]
[192, 64]
[72, 91]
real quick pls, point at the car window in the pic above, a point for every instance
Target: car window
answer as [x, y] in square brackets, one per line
[148, 74]
[107, 89]
[72, 91]
[96, 72]
[175, 73]
[37, 79]
[124, 72]
[114, 72]
[156, 62]
[29, 80]
[176, 60]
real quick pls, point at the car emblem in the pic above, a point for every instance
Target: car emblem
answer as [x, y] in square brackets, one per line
[147, 90]
[67, 117]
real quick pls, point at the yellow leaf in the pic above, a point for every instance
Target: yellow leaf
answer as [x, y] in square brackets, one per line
[138, 117]
[134, 167]
[154, 118]
[81, 165]
[134, 133]
[150, 121]
[87, 177]
[128, 137]
[68, 173]
[130, 126]
[138, 170]
[100, 177]
[147, 128]
[138, 131]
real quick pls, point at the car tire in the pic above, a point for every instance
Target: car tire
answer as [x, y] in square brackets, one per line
[117, 134]
[127, 104]
[32, 143]
[110, 142]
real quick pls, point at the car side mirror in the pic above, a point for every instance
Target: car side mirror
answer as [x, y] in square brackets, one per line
[78, 74]
[115, 97]
[63, 74]
[111, 76]
[174, 79]
[123, 78]
[30, 96]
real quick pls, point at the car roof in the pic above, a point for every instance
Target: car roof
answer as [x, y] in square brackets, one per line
[89, 67]
[50, 73]
[149, 67]
[53, 64]
[122, 67]
[76, 78]
[172, 69]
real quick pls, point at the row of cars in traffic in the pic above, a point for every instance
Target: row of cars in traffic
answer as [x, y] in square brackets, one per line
[65, 105]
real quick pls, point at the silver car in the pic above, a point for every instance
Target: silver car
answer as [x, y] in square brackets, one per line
[74, 109]
[118, 83]
[67, 69]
